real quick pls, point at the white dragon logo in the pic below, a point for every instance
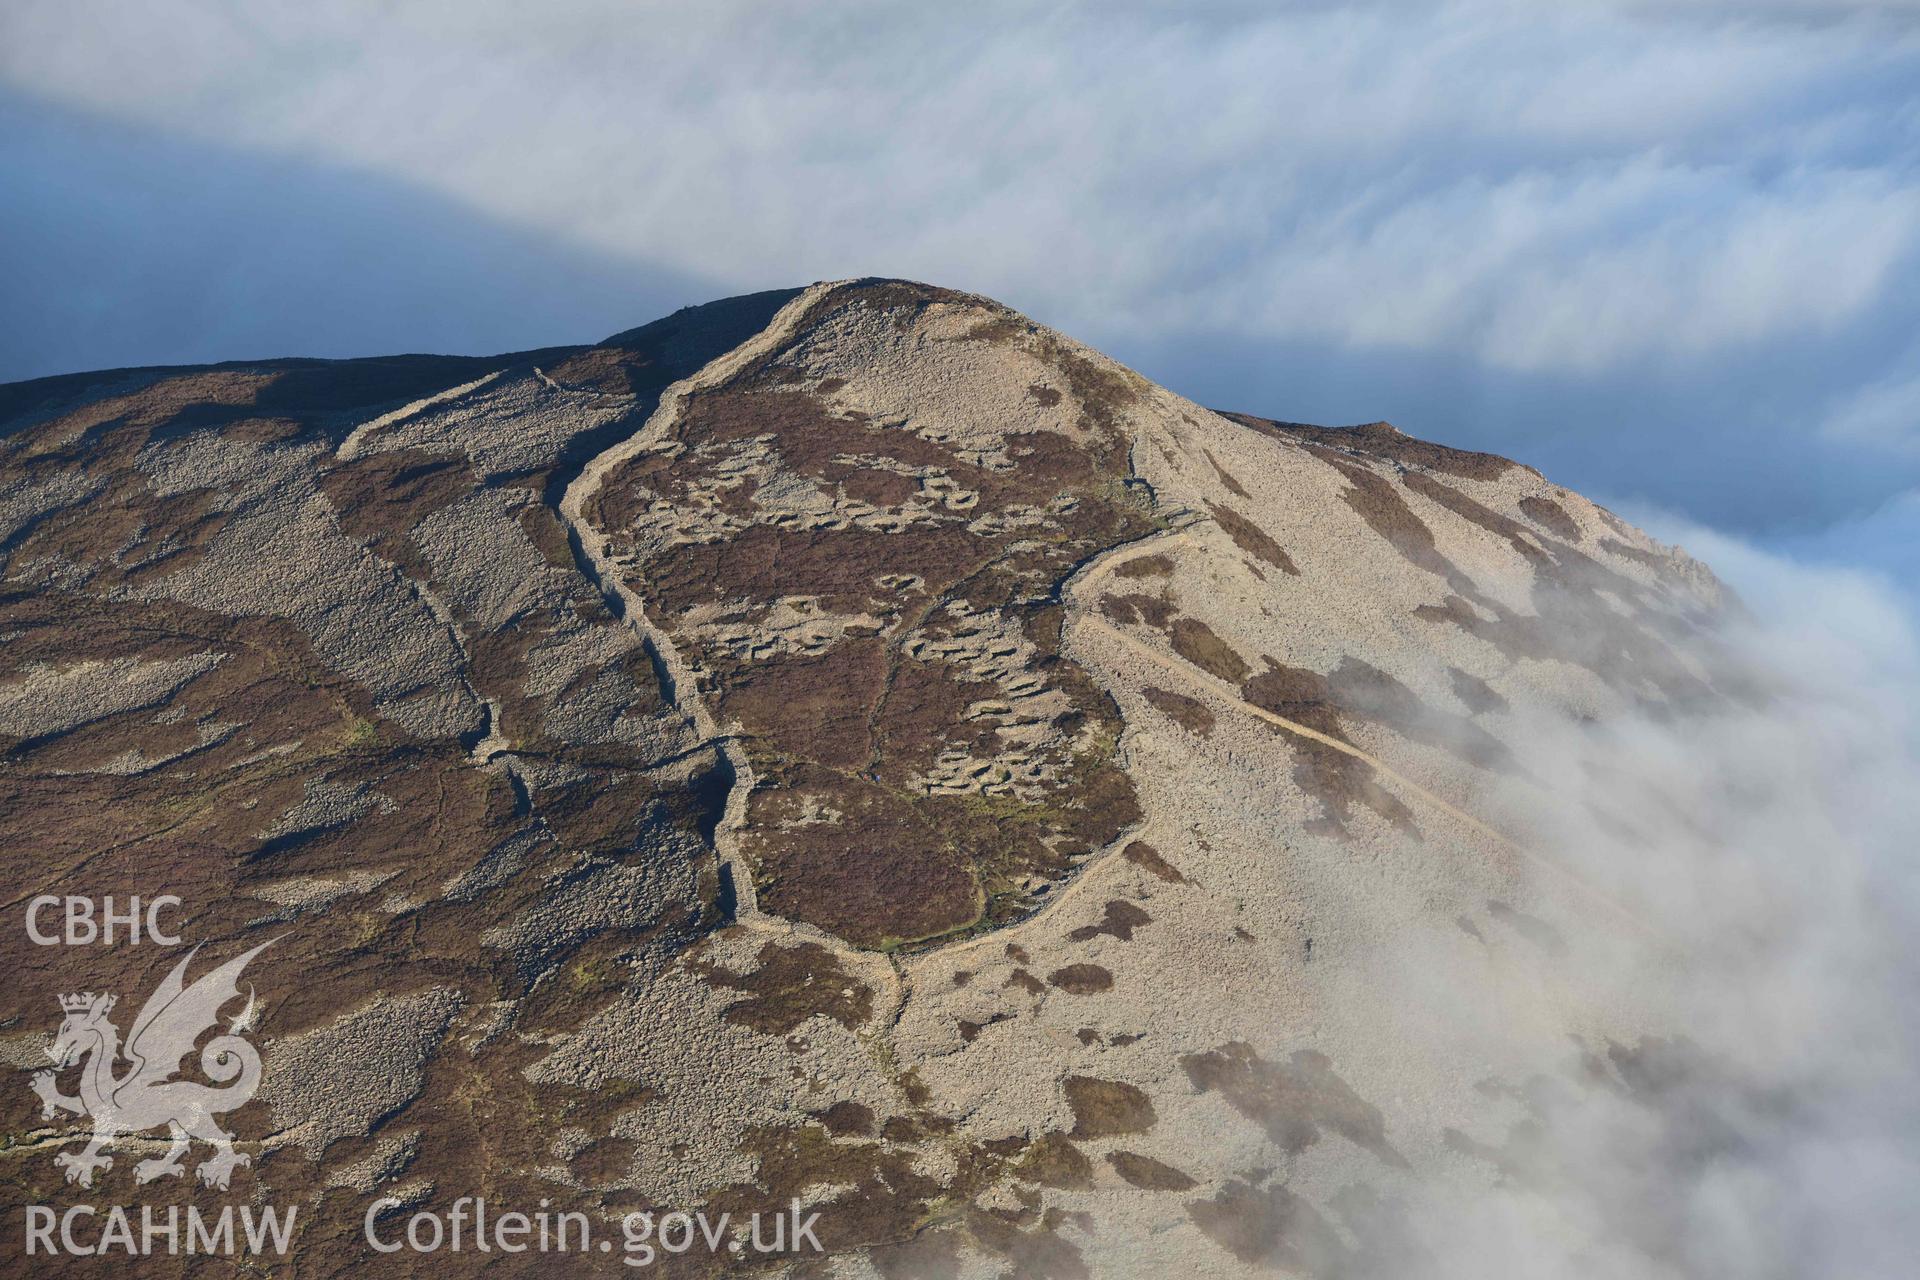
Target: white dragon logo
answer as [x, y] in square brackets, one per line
[146, 1096]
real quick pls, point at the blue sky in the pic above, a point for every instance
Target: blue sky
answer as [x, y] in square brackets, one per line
[1668, 253]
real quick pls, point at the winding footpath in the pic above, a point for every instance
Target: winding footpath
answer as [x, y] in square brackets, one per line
[1225, 692]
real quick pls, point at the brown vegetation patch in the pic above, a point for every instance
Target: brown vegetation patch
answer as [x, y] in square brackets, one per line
[812, 707]
[1147, 1173]
[970, 1031]
[1271, 1229]
[380, 496]
[1384, 440]
[881, 488]
[1189, 713]
[1295, 693]
[1026, 982]
[606, 1160]
[1362, 689]
[1518, 536]
[1551, 516]
[1055, 1162]
[1154, 566]
[1376, 500]
[1121, 919]
[882, 873]
[1639, 555]
[643, 361]
[1251, 538]
[1155, 611]
[1291, 1102]
[789, 986]
[848, 1119]
[1233, 486]
[1474, 693]
[1107, 1108]
[1195, 641]
[1147, 858]
[887, 1197]
[1081, 979]
[1338, 780]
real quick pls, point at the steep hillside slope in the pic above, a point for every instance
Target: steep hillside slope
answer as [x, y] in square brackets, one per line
[850, 743]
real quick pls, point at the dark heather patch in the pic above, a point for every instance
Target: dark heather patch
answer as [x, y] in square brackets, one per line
[913, 1131]
[1189, 713]
[885, 872]
[1551, 516]
[1155, 611]
[606, 1160]
[1271, 1229]
[1107, 1108]
[790, 985]
[1195, 641]
[1154, 566]
[1030, 1252]
[1081, 979]
[1147, 1173]
[1573, 621]
[848, 1119]
[380, 497]
[1251, 538]
[887, 1201]
[879, 487]
[915, 1088]
[1531, 927]
[1516, 535]
[970, 1031]
[1233, 486]
[1474, 693]
[879, 1196]
[1383, 440]
[1376, 500]
[1339, 781]
[1147, 858]
[1639, 555]
[1055, 1162]
[802, 705]
[1293, 1102]
[1026, 982]
[1045, 397]
[1121, 919]
[1363, 690]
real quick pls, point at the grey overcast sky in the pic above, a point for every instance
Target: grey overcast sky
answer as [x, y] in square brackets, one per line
[1669, 253]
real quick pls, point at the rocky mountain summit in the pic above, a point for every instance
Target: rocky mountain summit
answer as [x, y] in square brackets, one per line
[850, 743]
